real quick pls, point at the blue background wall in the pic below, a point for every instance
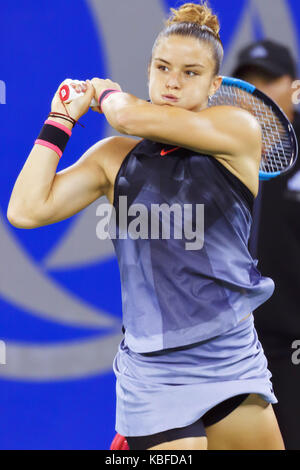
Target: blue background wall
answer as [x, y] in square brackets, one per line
[41, 45]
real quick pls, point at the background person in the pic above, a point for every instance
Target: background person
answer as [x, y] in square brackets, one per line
[276, 238]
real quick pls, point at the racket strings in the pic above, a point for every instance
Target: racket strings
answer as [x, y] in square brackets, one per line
[276, 148]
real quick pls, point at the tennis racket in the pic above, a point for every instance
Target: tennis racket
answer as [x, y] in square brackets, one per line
[279, 142]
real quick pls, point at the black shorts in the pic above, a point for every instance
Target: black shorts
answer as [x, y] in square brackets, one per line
[196, 429]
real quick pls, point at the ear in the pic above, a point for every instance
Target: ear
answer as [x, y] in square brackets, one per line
[216, 83]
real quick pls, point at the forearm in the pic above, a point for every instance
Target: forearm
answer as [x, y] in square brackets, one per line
[132, 116]
[33, 185]
[118, 108]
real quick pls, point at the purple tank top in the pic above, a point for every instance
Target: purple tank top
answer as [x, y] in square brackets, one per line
[182, 248]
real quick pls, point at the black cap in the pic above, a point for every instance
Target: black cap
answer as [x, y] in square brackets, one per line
[269, 56]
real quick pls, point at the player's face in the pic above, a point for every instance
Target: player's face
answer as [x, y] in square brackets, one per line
[182, 67]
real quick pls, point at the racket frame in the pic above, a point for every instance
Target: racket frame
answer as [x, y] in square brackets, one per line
[248, 87]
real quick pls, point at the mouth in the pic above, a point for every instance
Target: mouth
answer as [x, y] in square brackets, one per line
[170, 98]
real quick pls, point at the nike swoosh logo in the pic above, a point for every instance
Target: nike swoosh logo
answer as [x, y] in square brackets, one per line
[165, 152]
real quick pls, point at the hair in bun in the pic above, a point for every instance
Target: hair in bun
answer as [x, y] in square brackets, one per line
[195, 20]
[192, 13]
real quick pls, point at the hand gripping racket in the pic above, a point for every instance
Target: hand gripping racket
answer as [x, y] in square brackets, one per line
[279, 142]
[67, 93]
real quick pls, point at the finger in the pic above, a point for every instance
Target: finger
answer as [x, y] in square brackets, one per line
[95, 80]
[87, 94]
[82, 87]
[89, 88]
[79, 86]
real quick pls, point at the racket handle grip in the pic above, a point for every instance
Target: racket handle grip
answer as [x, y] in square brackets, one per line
[67, 93]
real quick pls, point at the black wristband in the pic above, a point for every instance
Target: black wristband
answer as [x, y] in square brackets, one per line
[54, 136]
[104, 94]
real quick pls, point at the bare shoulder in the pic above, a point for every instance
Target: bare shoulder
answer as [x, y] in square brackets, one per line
[244, 164]
[242, 127]
[234, 115]
[246, 120]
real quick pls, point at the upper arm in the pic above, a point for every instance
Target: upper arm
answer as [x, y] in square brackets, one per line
[77, 186]
[226, 130]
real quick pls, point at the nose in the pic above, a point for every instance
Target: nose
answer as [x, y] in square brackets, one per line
[173, 81]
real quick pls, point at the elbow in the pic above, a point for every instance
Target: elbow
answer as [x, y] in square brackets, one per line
[19, 220]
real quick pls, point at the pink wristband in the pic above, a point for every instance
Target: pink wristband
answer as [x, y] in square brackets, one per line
[105, 94]
[54, 135]
[53, 147]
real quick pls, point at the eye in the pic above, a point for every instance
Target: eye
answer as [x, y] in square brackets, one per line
[190, 71]
[163, 67]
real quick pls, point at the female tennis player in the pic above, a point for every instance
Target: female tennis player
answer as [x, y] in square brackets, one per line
[191, 372]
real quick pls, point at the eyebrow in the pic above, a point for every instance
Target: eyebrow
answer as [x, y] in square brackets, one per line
[187, 65]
